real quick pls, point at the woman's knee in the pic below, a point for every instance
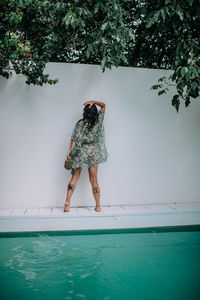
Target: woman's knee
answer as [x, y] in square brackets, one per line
[93, 174]
[94, 183]
[93, 179]
[76, 174]
[72, 183]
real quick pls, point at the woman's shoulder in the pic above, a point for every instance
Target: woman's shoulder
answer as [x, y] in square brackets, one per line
[79, 122]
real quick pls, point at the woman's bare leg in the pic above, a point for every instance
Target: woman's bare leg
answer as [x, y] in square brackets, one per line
[95, 186]
[71, 187]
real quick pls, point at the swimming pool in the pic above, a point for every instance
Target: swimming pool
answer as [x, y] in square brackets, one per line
[113, 264]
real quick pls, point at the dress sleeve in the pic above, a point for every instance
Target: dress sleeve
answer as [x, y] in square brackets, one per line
[101, 116]
[76, 134]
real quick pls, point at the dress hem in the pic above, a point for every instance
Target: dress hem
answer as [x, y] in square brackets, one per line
[82, 165]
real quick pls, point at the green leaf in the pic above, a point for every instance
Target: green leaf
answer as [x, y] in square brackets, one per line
[187, 76]
[184, 70]
[103, 27]
[161, 79]
[132, 35]
[187, 101]
[193, 69]
[180, 13]
[103, 40]
[73, 20]
[103, 63]
[150, 22]
[161, 92]
[88, 51]
[163, 14]
[156, 86]
[176, 102]
[194, 85]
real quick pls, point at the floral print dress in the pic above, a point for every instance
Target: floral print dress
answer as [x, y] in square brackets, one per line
[90, 149]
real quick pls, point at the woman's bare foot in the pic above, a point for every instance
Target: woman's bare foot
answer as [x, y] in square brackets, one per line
[66, 207]
[98, 208]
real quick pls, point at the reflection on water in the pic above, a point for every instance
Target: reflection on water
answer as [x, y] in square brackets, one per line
[108, 266]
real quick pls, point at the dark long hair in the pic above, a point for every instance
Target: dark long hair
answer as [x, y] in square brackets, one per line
[90, 115]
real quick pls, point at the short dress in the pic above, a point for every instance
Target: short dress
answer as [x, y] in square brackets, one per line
[90, 149]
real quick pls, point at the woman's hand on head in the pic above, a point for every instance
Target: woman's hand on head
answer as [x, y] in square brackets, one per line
[89, 102]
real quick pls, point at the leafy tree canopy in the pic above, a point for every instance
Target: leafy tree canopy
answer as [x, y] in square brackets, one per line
[162, 34]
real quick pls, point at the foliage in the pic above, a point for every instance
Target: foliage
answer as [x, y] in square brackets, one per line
[162, 34]
[34, 32]
[173, 37]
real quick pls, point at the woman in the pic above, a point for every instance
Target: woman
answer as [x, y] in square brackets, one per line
[89, 137]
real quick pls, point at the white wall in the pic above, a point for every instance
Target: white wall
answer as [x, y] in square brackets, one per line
[154, 152]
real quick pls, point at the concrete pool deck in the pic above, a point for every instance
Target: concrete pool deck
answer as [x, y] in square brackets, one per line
[110, 217]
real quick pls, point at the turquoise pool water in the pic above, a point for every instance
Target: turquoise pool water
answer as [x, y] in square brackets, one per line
[147, 265]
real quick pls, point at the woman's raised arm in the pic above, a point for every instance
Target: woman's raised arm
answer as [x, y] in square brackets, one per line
[102, 104]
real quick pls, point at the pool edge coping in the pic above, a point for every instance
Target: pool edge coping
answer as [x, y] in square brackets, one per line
[156, 229]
